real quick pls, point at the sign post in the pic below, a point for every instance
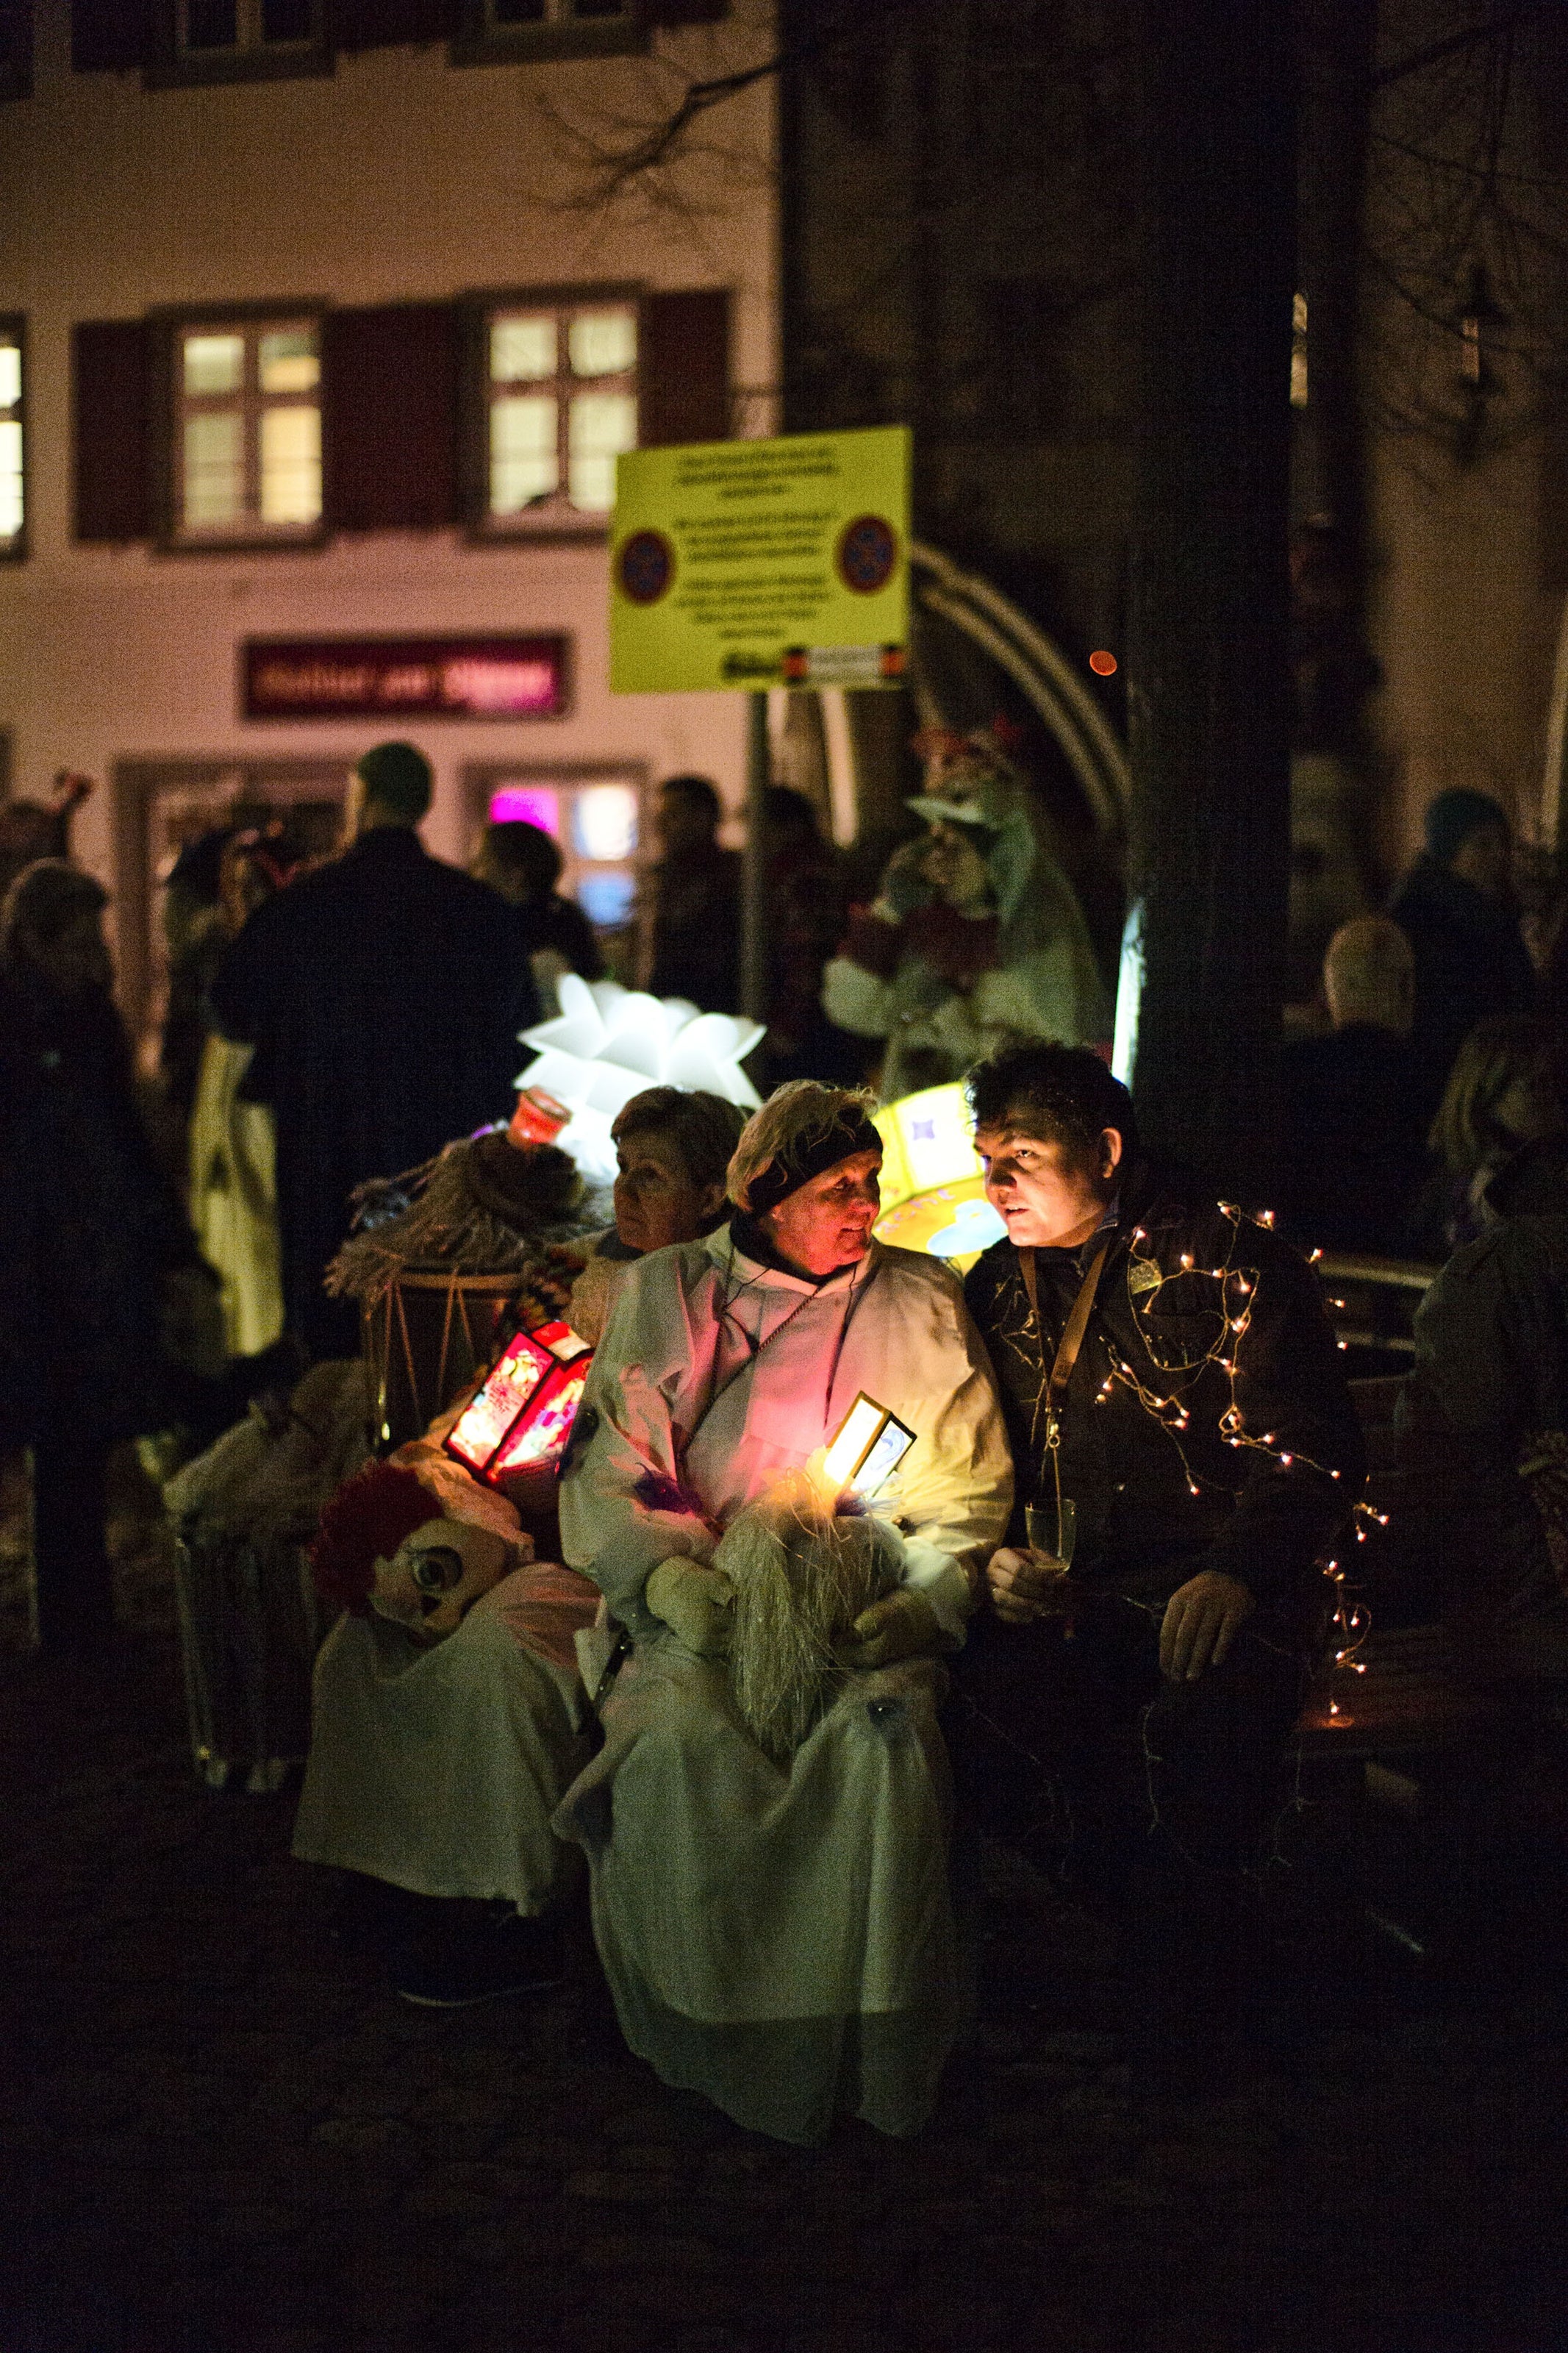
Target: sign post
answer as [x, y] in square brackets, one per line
[742, 565]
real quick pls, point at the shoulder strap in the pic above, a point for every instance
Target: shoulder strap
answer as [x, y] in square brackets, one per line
[1077, 1324]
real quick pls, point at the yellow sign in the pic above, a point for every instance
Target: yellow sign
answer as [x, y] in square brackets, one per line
[756, 563]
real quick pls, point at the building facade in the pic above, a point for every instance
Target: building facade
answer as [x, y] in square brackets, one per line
[321, 330]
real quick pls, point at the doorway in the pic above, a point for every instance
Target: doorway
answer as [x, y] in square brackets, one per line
[160, 808]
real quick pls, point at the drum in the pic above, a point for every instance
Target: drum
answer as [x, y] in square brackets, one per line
[427, 1339]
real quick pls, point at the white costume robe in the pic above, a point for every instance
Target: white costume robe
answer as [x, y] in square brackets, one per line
[438, 1766]
[780, 1940]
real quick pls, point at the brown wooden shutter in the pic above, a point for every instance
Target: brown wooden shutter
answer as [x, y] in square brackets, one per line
[389, 417]
[384, 24]
[112, 382]
[109, 36]
[683, 368]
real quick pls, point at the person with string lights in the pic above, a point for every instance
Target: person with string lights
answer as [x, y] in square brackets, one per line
[1184, 1448]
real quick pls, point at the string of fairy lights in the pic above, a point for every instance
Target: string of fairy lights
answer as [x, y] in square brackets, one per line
[1238, 1289]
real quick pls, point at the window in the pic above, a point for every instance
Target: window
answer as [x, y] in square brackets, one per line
[560, 404]
[248, 431]
[13, 487]
[497, 31]
[238, 40]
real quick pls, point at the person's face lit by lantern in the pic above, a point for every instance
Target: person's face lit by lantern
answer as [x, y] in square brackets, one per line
[827, 1222]
[657, 1200]
[1047, 1195]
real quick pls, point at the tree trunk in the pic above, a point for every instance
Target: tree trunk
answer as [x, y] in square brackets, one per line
[1208, 653]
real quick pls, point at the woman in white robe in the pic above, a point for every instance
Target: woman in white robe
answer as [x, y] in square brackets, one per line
[780, 1937]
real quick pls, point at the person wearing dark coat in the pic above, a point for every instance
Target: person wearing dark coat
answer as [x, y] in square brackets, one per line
[1457, 909]
[1207, 1451]
[524, 864]
[1353, 1130]
[97, 1261]
[693, 923]
[384, 994]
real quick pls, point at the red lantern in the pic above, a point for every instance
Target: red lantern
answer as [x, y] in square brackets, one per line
[521, 1418]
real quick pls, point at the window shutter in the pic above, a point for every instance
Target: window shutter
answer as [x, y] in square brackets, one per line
[112, 374]
[109, 36]
[389, 417]
[683, 368]
[656, 13]
[385, 24]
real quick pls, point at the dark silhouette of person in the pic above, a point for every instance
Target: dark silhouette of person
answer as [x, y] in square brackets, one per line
[99, 1268]
[523, 863]
[1353, 1133]
[695, 944]
[384, 994]
[1456, 908]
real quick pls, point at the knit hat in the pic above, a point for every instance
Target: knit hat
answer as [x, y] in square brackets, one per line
[812, 1155]
[1454, 816]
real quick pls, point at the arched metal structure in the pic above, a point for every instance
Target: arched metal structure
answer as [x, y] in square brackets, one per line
[1068, 708]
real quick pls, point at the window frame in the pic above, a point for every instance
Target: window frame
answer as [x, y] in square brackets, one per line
[252, 536]
[559, 526]
[14, 330]
[171, 66]
[480, 42]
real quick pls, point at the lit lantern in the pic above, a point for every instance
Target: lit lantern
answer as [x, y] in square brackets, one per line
[521, 1418]
[867, 1447]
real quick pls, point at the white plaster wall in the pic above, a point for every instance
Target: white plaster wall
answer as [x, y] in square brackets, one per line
[1464, 633]
[396, 178]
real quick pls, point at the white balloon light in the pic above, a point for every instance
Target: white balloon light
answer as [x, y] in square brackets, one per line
[607, 1043]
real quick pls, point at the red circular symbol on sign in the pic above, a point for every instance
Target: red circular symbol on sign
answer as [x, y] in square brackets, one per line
[646, 566]
[867, 550]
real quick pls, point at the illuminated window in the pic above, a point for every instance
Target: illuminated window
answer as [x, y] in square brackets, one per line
[560, 405]
[247, 430]
[13, 492]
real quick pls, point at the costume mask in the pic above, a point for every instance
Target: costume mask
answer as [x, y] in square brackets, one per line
[438, 1574]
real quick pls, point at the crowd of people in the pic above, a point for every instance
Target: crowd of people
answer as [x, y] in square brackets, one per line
[849, 1563]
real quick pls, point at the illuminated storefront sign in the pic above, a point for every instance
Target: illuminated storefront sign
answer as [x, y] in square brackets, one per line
[406, 678]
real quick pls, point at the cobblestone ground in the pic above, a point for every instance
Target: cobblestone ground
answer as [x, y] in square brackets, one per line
[220, 2135]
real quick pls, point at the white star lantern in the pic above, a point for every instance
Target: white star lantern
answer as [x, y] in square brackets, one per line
[607, 1043]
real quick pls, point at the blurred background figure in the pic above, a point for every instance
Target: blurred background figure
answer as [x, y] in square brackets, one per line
[1503, 1096]
[523, 863]
[693, 905]
[232, 1143]
[384, 994]
[807, 903]
[1353, 1127]
[1457, 909]
[196, 935]
[33, 829]
[975, 938]
[103, 1296]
